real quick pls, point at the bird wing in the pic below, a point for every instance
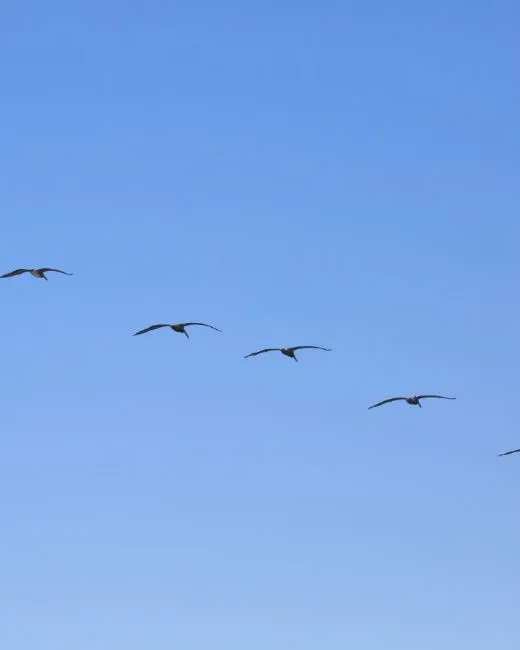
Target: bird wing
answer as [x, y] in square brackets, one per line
[152, 327]
[506, 453]
[253, 354]
[17, 272]
[385, 401]
[315, 347]
[438, 396]
[205, 325]
[56, 270]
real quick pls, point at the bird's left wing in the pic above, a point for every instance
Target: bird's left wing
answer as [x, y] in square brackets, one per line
[204, 324]
[314, 347]
[56, 270]
[438, 396]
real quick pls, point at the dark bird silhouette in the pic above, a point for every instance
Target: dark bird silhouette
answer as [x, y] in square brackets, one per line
[37, 273]
[414, 401]
[289, 352]
[176, 327]
[506, 453]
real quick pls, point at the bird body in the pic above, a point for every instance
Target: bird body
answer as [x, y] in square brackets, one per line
[413, 401]
[289, 352]
[180, 328]
[36, 273]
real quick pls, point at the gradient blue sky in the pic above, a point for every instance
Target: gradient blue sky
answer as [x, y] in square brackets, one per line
[342, 174]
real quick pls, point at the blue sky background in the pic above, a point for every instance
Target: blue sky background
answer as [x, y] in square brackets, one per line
[339, 174]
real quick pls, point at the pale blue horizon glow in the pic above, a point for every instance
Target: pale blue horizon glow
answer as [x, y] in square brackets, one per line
[342, 175]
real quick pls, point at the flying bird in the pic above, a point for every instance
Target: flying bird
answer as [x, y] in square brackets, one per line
[414, 401]
[289, 352]
[506, 453]
[37, 273]
[176, 327]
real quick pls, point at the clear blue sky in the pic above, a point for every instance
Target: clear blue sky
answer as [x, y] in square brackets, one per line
[342, 174]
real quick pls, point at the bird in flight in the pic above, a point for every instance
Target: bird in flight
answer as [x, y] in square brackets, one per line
[289, 352]
[176, 327]
[506, 453]
[414, 401]
[37, 273]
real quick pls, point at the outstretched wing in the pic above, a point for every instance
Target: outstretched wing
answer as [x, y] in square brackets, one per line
[17, 272]
[253, 354]
[204, 324]
[385, 401]
[314, 347]
[506, 453]
[438, 396]
[56, 270]
[152, 327]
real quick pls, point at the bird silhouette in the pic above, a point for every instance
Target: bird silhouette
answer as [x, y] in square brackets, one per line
[414, 401]
[506, 453]
[37, 273]
[176, 327]
[289, 352]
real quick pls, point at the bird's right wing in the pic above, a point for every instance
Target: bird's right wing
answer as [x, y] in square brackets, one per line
[385, 401]
[17, 272]
[506, 453]
[253, 354]
[152, 327]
